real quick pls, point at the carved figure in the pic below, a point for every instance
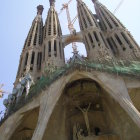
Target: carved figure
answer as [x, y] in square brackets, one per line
[85, 114]
[75, 131]
[79, 135]
[29, 82]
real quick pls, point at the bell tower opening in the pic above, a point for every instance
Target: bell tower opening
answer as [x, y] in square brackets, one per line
[68, 51]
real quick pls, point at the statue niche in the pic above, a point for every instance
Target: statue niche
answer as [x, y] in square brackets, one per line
[86, 114]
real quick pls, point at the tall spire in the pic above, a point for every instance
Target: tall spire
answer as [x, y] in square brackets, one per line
[30, 61]
[118, 37]
[92, 34]
[52, 2]
[53, 52]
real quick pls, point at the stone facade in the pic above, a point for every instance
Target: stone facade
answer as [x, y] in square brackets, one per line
[83, 104]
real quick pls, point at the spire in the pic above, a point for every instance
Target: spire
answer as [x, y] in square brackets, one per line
[40, 9]
[34, 37]
[93, 37]
[107, 19]
[53, 52]
[119, 38]
[29, 57]
[86, 18]
[94, 1]
[52, 2]
[52, 25]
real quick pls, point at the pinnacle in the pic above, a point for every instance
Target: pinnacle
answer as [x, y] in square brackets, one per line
[94, 1]
[40, 9]
[52, 2]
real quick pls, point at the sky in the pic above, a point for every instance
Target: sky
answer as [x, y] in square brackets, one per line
[16, 19]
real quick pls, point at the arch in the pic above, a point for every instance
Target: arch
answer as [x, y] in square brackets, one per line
[68, 51]
[109, 83]
[68, 39]
[27, 125]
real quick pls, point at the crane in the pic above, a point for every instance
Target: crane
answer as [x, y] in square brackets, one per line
[70, 22]
[119, 5]
[2, 91]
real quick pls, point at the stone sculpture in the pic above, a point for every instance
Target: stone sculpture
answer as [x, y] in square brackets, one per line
[85, 115]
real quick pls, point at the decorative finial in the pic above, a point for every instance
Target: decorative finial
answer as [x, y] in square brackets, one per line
[40, 9]
[94, 1]
[52, 2]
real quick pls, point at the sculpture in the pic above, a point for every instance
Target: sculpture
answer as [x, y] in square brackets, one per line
[85, 114]
[29, 82]
[79, 135]
[78, 132]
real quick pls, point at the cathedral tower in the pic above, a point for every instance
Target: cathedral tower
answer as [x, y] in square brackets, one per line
[95, 42]
[53, 52]
[31, 57]
[118, 37]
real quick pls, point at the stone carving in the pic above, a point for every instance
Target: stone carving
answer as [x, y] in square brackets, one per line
[75, 128]
[78, 132]
[29, 82]
[24, 83]
[104, 54]
[85, 115]
[80, 135]
[20, 90]
[137, 53]
[49, 69]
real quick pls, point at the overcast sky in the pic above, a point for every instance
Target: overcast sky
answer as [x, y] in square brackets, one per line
[16, 18]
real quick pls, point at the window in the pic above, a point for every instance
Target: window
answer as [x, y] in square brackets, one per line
[96, 36]
[60, 50]
[87, 43]
[40, 34]
[85, 22]
[116, 24]
[118, 39]
[54, 27]
[89, 20]
[30, 34]
[82, 15]
[35, 38]
[111, 46]
[33, 56]
[113, 20]
[49, 49]
[55, 49]
[126, 39]
[106, 18]
[49, 30]
[39, 59]
[103, 40]
[26, 59]
[102, 22]
[44, 52]
[90, 37]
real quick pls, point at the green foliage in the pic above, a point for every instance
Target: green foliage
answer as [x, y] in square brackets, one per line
[123, 68]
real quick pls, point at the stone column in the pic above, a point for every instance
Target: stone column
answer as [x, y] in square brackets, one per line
[49, 101]
[116, 87]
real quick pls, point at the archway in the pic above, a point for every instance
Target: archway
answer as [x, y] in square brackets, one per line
[27, 126]
[103, 112]
[68, 51]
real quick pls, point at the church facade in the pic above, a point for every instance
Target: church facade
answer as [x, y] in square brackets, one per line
[93, 98]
